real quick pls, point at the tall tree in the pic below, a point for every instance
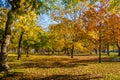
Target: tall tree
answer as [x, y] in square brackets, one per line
[23, 25]
[94, 19]
[6, 40]
[18, 7]
[113, 23]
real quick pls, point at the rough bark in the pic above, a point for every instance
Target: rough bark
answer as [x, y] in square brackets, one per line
[19, 45]
[6, 40]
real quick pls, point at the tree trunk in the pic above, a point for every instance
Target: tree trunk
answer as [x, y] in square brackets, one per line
[100, 43]
[100, 52]
[27, 51]
[19, 45]
[0, 47]
[72, 51]
[6, 40]
[108, 53]
[118, 49]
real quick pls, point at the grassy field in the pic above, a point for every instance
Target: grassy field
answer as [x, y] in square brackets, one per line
[41, 67]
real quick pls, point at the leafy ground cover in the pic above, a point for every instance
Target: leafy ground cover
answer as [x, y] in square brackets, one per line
[46, 67]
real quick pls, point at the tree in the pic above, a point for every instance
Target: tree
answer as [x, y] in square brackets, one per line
[113, 6]
[94, 20]
[113, 23]
[18, 7]
[31, 39]
[6, 39]
[56, 37]
[3, 13]
[67, 22]
[24, 24]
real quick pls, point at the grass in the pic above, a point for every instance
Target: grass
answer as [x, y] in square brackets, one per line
[41, 67]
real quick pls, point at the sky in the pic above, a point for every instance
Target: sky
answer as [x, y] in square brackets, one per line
[5, 4]
[44, 21]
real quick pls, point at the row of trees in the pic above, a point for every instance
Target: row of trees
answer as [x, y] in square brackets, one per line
[79, 25]
[91, 27]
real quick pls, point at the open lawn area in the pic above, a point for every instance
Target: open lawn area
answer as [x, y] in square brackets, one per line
[46, 67]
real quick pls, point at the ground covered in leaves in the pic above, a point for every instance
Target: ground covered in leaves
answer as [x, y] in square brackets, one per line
[51, 67]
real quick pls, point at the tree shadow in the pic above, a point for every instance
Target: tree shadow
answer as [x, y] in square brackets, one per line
[52, 77]
[95, 60]
[11, 76]
[64, 63]
[54, 63]
[61, 63]
[51, 65]
[12, 58]
[71, 77]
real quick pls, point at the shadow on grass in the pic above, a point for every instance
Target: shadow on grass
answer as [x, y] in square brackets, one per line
[12, 58]
[61, 63]
[53, 77]
[51, 65]
[95, 60]
[71, 77]
[45, 64]
[11, 76]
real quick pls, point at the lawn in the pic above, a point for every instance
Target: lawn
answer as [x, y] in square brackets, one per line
[53, 67]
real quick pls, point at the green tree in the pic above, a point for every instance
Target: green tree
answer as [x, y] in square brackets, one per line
[19, 7]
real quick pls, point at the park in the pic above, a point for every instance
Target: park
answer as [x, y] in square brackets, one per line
[59, 40]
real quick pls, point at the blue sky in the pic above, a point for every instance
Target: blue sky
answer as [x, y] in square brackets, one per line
[44, 21]
[5, 4]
